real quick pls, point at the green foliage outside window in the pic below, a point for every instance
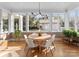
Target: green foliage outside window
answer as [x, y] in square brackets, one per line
[33, 24]
[5, 24]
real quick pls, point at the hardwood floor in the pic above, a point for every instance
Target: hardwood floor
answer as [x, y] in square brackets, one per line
[66, 50]
[16, 49]
[61, 50]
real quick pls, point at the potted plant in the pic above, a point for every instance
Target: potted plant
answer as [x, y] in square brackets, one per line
[74, 36]
[17, 35]
[67, 34]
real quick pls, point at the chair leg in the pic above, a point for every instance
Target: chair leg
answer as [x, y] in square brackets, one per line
[27, 51]
[33, 51]
[51, 52]
[53, 43]
[54, 48]
[46, 53]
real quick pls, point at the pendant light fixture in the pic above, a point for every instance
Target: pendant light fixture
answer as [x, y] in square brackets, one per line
[39, 15]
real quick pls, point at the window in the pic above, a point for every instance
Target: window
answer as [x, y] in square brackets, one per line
[16, 22]
[5, 23]
[24, 23]
[77, 21]
[38, 24]
[33, 24]
[44, 24]
[61, 18]
[57, 22]
[72, 21]
[77, 25]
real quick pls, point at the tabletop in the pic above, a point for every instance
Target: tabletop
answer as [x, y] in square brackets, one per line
[42, 37]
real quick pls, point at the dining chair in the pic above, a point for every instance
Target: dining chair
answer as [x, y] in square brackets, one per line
[49, 46]
[4, 36]
[53, 38]
[25, 36]
[34, 34]
[43, 34]
[29, 43]
[3, 45]
[3, 42]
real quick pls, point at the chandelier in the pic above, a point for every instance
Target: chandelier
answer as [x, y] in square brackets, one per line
[39, 15]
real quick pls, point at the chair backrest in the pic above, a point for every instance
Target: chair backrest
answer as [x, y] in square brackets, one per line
[44, 34]
[33, 35]
[25, 36]
[29, 41]
[48, 43]
[4, 36]
[53, 38]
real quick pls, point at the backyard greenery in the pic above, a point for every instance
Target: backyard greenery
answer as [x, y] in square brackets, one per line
[33, 23]
[70, 33]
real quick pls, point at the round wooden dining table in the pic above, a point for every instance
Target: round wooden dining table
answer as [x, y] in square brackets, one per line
[40, 41]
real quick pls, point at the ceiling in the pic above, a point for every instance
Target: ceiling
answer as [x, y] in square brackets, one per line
[34, 6]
